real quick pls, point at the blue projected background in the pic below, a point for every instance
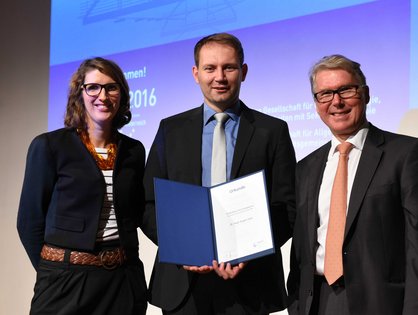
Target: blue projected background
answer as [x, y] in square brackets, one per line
[153, 43]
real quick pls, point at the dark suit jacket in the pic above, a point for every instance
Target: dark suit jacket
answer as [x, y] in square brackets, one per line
[63, 193]
[263, 143]
[380, 251]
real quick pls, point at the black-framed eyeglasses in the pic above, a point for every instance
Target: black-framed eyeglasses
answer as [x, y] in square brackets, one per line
[94, 89]
[343, 92]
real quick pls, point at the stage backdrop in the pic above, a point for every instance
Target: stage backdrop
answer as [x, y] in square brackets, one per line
[153, 40]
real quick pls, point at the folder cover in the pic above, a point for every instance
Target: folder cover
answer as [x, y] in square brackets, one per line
[229, 222]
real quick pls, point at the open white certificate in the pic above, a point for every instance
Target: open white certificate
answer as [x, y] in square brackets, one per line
[241, 218]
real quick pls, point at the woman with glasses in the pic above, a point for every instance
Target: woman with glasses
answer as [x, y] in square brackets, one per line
[82, 201]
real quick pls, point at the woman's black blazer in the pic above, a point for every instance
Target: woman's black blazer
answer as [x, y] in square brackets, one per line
[64, 190]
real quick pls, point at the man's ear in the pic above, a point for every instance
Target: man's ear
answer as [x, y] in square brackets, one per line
[366, 94]
[195, 72]
[244, 70]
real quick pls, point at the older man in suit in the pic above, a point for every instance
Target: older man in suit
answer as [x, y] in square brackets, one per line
[182, 152]
[364, 261]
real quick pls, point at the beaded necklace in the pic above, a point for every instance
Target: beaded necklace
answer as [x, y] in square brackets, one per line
[102, 163]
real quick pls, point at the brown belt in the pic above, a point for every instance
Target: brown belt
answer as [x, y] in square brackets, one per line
[108, 259]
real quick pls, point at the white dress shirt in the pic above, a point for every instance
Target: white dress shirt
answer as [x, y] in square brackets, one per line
[326, 186]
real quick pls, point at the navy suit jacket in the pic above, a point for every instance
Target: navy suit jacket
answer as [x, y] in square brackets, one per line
[263, 142]
[63, 193]
[380, 250]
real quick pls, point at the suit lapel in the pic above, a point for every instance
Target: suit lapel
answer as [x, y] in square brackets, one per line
[193, 136]
[245, 133]
[314, 183]
[369, 161]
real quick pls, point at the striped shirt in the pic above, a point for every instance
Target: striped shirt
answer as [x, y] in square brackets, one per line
[108, 228]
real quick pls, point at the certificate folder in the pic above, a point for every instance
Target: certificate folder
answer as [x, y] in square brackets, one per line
[229, 222]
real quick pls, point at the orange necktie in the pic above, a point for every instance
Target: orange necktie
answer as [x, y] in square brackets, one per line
[333, 268]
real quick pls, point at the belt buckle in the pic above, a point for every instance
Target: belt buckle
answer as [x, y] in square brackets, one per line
[109, 265]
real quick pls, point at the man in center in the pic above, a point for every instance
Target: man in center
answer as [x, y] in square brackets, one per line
[182, 151]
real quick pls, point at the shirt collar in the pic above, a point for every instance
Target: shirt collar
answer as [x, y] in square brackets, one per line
[356, 139]
[233, 112]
